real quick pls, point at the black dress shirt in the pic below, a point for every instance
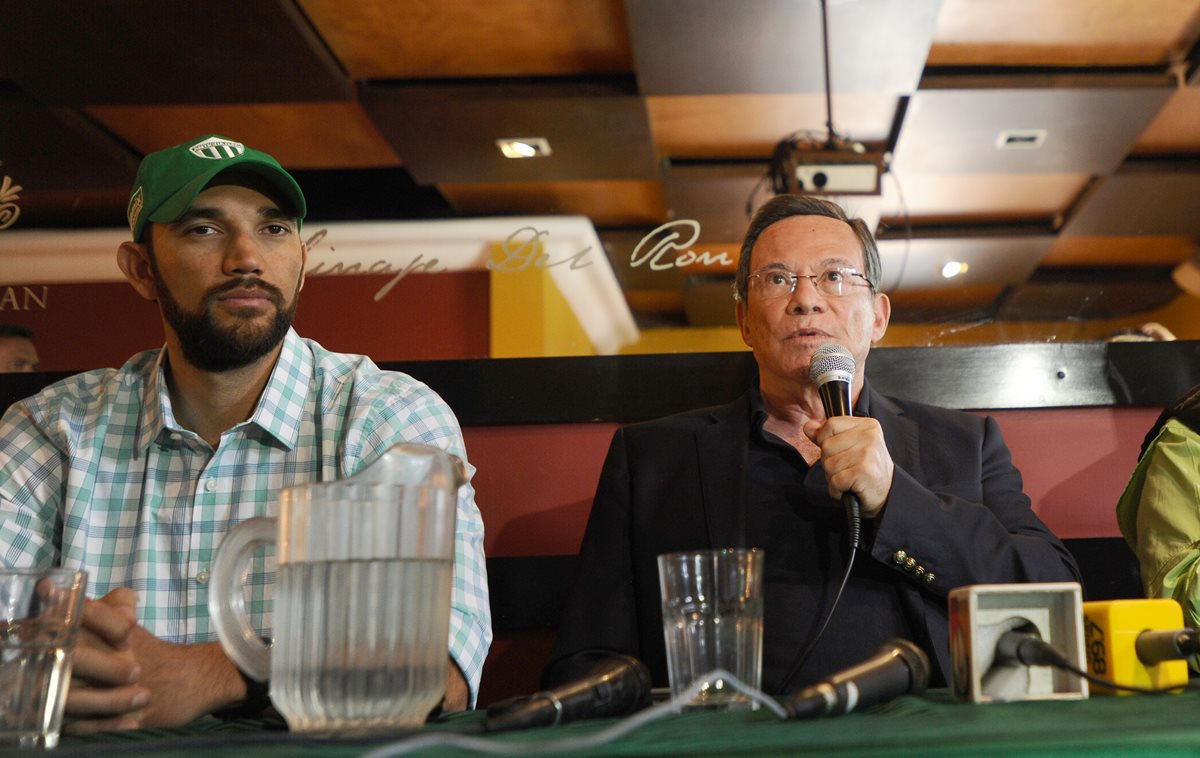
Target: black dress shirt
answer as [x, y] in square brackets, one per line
[806, 549]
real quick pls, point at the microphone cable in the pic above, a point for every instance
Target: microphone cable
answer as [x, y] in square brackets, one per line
[854, 525]
[1030, 649]
[832, 371]
[853, 520]
[423, 741]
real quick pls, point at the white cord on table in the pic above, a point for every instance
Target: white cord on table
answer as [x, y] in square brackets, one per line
[571, 744]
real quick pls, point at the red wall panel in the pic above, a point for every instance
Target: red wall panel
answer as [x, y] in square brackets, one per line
[535, 483]
[81, 326]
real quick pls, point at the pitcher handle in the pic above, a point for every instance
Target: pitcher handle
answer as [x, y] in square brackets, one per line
[227, 600]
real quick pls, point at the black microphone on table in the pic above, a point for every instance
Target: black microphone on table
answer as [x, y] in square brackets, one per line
[898, 668]
[1152, 647]
[616, 686]
[832, 370]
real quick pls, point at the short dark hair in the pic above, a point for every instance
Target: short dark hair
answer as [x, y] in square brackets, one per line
[15, 330]
[781, 207]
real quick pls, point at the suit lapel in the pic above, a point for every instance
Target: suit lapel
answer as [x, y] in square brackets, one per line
[721, 449]
[899, 433]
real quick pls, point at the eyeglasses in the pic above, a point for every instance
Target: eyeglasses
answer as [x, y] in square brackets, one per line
[835, 282]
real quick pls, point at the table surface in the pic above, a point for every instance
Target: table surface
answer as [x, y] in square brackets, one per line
[931, 724]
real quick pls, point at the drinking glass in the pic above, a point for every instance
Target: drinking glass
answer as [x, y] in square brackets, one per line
[40, 612]
[712, 619]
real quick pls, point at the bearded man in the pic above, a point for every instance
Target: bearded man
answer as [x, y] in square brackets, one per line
[136, 474]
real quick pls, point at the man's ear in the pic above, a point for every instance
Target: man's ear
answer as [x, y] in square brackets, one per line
[303, 263]
[740, 312]
[882, 316]
[134, 260]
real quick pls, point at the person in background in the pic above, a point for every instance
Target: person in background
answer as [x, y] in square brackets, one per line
[135, 474]
[942, 504]
[1159, 511]
[1151, 331]
[17, 352]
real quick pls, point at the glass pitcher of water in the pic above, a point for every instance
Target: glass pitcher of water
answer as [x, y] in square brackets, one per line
[362, 601]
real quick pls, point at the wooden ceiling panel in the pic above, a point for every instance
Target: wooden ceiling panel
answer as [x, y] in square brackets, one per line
[386, 39]
[47, 149]
[695, 47]
[1077, 130]
[1063, 32]
[1176, 128]
[299, 135]
[448, 132]
[606, 203]
[990, 261]
[979, 197]
[42, 209]
[149, 52]
[715, 197]
[749, 126]
[1087, 298]
[968, 303]
[1149, 198]
[1132, 250]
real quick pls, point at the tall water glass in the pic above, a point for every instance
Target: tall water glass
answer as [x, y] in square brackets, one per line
[40, 612]
[712, 619]
[362, 602]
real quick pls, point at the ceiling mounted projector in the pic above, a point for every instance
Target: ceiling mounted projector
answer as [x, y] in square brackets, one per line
[803, 164]
[830, 172]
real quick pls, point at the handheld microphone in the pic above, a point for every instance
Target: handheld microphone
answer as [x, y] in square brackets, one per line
[832, 370]
[899, 668]
[1138, 642]
[615, 686]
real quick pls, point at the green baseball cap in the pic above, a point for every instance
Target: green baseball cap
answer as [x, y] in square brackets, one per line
[168, 181]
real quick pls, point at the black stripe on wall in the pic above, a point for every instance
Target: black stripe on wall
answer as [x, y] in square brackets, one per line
[499, 392]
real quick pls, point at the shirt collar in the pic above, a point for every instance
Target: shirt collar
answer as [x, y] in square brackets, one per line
[279, 410]
[758, 412]
[157, 416]
[281, 407]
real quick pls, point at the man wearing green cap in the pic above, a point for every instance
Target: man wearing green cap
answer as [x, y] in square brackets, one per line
[136, 474]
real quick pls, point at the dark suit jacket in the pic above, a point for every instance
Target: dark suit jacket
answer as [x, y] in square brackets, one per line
[956, 507]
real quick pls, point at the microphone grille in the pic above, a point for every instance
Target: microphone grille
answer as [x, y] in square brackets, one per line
[831, 362]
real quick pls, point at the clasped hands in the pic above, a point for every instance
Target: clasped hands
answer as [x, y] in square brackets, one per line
[124, 677]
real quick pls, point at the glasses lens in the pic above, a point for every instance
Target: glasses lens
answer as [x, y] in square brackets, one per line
[835, 282]
[771, 284]
[830, 282]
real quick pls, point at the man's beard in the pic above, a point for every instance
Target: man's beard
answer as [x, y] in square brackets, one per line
[209, 346]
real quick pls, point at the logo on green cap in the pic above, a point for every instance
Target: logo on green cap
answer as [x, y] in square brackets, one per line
[217, 148]
[136, 201]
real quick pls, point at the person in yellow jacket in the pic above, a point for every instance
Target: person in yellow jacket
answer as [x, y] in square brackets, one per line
[1159, 512]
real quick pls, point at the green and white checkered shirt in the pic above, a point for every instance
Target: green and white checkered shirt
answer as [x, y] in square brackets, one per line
[96, 473]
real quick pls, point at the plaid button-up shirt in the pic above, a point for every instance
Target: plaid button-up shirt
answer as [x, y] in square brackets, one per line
[95, 473]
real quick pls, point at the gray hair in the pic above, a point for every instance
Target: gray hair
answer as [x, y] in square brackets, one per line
[781, 207]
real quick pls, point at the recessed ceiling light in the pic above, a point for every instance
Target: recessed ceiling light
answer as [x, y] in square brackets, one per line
[1021, 139]
[524, 147]
[953, 269]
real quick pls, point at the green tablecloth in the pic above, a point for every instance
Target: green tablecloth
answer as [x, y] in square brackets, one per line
[928, 725]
